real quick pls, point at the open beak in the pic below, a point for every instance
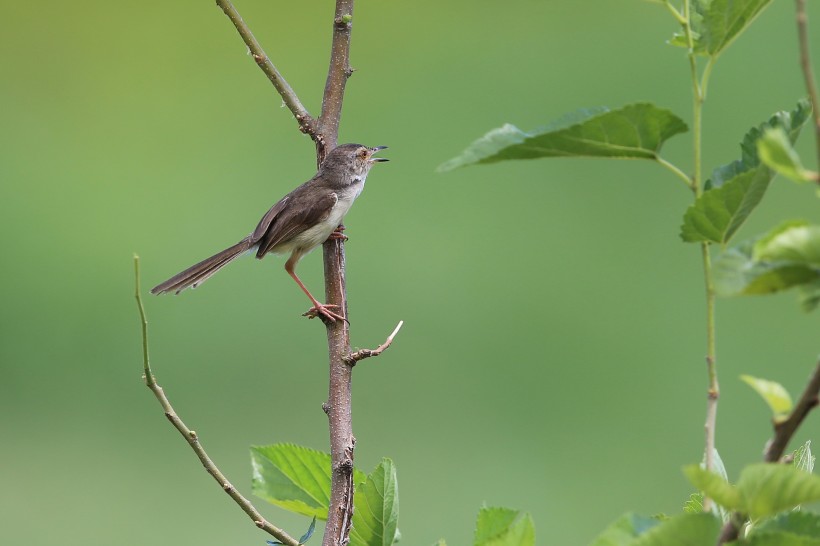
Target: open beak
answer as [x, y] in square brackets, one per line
[377, 159]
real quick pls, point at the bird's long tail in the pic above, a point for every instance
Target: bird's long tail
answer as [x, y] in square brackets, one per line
[201, 272]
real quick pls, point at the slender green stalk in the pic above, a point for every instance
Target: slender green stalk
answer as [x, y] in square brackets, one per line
[149, 377]
[699, 87]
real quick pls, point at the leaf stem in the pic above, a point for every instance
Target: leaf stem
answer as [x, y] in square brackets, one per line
[675, 13]
[679, 173]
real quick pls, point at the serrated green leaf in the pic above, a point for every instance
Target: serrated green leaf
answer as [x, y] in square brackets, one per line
[775, 150]
[773, 393]
[682, 530]
[767, 489]
[735, 189]
[803, 458]
[624, 530]
[714, 486]
[295, 478]
[635, 131]
[803, 524]
[693, 505]
[504, 527]
[717, 23]
[376, 503]
[718, 213]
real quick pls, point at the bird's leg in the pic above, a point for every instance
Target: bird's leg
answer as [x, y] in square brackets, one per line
[318, 308]
[337, 233]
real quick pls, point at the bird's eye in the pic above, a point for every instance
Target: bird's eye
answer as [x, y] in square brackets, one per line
[363, 153]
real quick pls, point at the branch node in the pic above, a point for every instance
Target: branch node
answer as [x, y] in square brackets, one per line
[325, 408]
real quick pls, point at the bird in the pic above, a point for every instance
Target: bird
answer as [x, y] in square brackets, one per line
[297, 223]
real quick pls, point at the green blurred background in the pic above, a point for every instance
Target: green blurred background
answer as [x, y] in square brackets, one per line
[552, 354]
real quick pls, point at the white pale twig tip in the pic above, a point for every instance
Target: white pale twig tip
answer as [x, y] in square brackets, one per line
[395, 331]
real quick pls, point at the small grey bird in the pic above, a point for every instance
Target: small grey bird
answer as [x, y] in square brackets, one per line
[298, 223]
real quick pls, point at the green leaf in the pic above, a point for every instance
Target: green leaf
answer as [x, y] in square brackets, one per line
[294, 478]
[717, 23]
[803, 524]
[773, 393]
[635, 131]
[504, 527]
[714, 486]
[624, 530]
[787, 256]
[694, 505]
[718, 213]
[682, 530]
[775, 150]
[735, 189]
[803, 458]
[767, 489]
[376, 512]
[795, 242]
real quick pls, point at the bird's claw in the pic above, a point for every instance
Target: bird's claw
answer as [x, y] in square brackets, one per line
[322, 310]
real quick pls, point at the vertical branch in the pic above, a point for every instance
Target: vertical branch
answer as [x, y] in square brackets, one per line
[325, 132]
[339, 402]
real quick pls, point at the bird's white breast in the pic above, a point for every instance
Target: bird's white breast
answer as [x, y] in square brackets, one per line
[319, 233]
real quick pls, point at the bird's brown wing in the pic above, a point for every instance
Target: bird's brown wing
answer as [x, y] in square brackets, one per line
[290, 217]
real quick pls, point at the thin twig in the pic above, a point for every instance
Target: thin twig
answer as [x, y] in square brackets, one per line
[361, 354]
[805, 64]
[191, 436]
[306, 123]
[783, 433]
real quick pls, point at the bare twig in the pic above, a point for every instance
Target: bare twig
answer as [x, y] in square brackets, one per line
[361, 354]
[306, 123]
[805, 64]
[191, 436]
[783, 432]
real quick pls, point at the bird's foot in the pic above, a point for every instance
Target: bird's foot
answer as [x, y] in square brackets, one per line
[323, 310]
[337, 234]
